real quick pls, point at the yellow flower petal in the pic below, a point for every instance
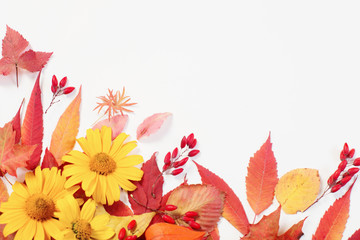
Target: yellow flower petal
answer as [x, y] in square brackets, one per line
[40, 235]
[30, 229]
[88, 210]
[83, 142]
[131, 173]
[106, 139]
[124, 183]
[20, 189]
[52, 228]
[117, 143]
[126, 149]
[129, 161]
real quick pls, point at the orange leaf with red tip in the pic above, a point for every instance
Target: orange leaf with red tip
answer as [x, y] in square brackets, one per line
[32, 128]
[12, 47]
[233, 209]
[206, 200]
[12, 156]
[49, 160]
[151, 124]
[261, 178]
[166, 231]
[294, 233]
[64, 136]
[355, 236]
[266, 229]
[332, 224]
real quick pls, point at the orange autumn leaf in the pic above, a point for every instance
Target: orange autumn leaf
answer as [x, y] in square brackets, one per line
[206, 200]
[166, 231]
[64, 136]
[298, 189]
[233, 209]
[332, 224]
[266, 229]
[294, 233]
[261, 178]
[12, 156]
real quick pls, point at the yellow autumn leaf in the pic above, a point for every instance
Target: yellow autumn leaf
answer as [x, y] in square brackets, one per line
[64, 136]
[298, 189]
[142, 222]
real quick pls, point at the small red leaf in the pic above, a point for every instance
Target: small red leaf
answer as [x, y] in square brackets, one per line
[151, 124]
[13, 44]
[332, 224]
[117, 124]
[149, 189]
[355, 236]
[32, 129]
[49, 160]
[294, 233]
[233, 209]
[119, 209]
[266, 229]
[261, 178]
[16, 123]
[33, 61]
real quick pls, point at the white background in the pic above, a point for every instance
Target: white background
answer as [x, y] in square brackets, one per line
[229, 71]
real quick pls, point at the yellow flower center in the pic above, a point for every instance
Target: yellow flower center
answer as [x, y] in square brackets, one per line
[39, 207]
[82, 229]
[102, 163]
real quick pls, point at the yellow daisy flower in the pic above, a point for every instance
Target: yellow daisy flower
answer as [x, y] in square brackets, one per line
[82, 224]
[103, 166]
[30, 208]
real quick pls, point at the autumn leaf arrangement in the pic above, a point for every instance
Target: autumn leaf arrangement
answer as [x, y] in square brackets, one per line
[75, 194]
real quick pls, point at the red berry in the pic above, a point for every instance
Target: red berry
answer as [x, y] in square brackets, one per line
[54, 81]
[170, 207]
[190, 138]
[352, 171]
[132, 237]
[180, 163]
[68, 90]
[167, 158]
[53, 88]
[336, 188]
[345, 180]
[194, 225]
[177, 171]
[187, 219]
[342, 165]
[191, 214]
[168, 219]
[63, 82]
[122, 234]
[193, 144]
[175, 153]
[351, 153]
[331, 180]
[356, 162]
[131, 224]
[336, 174]
[183, 142]
[166, 166]
[193, 153]
[346, 149]
[342, 156]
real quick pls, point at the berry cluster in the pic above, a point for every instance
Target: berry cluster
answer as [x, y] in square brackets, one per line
[171, 160]
[189, 217]
[57, 88]
[345, 171]
[131, 227]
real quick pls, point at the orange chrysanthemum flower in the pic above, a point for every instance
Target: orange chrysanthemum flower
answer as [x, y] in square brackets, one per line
[115, 103]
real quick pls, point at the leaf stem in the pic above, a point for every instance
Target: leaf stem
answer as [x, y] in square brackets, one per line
[7, 180]
[318, 199]
[254, 219]
[17, 74]
[132, 196]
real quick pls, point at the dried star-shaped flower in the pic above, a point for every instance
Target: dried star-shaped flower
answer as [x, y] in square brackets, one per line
[115, 103]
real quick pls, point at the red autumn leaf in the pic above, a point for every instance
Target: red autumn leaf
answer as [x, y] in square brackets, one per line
[355, 236]
[32, 128]
[261, 178]
[266, 229]
[151, 124]
[149, 189]
[233, 209]
[294, 233]
[12, 156]
[49, 160]
[2, 237]
[13, 46]
[117, 124]
[118, 209]
[332, 224]
[206, 200]
[16, 122]
[214, 235]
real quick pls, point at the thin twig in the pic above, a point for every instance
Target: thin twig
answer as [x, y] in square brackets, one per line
[132, 196]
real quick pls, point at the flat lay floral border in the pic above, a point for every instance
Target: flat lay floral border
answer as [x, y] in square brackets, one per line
[72, 194]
